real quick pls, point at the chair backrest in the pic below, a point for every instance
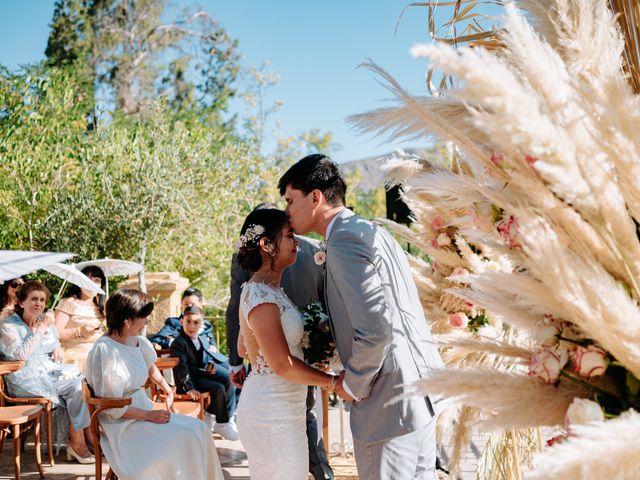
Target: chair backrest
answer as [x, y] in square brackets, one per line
[96, 406]
[7, 367]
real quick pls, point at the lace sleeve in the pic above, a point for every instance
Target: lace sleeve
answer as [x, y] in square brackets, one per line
[107, 375]
[14, 347]
[258, 294]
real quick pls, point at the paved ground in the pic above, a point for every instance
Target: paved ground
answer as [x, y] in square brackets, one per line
[231, 454]
[232, 457]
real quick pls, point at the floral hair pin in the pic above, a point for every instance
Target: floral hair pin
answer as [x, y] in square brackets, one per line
[250, 234]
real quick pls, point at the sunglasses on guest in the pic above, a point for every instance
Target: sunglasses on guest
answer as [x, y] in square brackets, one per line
[16, 284]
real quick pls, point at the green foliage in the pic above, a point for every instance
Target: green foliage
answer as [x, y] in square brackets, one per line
[170, 194]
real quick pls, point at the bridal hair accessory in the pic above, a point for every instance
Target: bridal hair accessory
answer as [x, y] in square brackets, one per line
[251, 234]
[321, 255]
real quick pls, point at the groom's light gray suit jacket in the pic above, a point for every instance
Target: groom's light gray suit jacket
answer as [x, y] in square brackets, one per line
[381, 333]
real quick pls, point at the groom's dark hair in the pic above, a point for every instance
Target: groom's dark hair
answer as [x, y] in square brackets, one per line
[313, 172]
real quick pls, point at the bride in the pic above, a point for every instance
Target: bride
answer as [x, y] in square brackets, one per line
[271, 412]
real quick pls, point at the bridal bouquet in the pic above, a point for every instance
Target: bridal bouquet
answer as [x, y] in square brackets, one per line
[318, 344]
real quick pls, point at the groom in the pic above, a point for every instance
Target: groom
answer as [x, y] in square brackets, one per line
[381, 334]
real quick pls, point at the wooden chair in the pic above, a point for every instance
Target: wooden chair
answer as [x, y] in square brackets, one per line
[96, 406]
[17, 420]
[14, 366]
[182, 400]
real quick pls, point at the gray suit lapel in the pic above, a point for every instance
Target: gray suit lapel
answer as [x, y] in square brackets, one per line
[340, 218]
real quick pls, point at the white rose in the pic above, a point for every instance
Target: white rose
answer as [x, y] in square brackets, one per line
[547, 364]
[583, 411]
[589, 362]
[320, 257]
[548, 332]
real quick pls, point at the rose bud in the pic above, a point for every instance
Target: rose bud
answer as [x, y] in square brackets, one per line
[582, 411]
[547, 364]
[589, 362]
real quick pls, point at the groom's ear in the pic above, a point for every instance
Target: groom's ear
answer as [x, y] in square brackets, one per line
[316, 196]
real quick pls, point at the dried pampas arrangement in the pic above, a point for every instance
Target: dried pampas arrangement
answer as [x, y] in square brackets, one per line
[533, 277]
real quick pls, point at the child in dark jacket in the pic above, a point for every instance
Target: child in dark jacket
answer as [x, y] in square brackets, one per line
[203, 368]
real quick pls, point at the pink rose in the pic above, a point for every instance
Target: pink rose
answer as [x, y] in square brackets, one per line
[437, 222]
[458, 320]
[530, 160]
[508, 229]
[547, 364]
[589, 362]
[434, 243]
[496, 159]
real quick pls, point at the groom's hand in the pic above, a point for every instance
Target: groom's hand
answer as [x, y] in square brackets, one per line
[340, 389]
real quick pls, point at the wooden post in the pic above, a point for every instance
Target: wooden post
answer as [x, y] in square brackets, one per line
[325, 420]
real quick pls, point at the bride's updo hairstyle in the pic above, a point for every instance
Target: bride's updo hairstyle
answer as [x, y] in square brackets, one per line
[265, 222]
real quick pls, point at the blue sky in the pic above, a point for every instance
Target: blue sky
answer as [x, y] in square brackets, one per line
[314, 46]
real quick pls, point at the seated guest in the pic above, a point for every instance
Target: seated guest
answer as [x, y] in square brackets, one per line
[8, 297]
[172, 325]
[140, 442]
[30, 336]
[80, 318]
[203, 368]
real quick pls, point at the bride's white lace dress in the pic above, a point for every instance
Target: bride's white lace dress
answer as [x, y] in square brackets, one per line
[271, 412]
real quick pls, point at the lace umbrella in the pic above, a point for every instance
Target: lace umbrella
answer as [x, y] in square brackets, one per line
[70, 274]
[112, 267]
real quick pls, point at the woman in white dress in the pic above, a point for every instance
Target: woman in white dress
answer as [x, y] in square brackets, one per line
[271, 415]
[139, 442]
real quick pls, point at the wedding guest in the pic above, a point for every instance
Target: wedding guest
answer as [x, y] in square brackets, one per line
[8, 296]
[30, 335]
[172, 325]
[203, 368]
[80, 318]
[302, 282]
[139, 442]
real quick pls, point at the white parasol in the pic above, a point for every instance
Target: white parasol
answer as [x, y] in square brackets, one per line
[15, 263]
[112, 267]
[71, 274]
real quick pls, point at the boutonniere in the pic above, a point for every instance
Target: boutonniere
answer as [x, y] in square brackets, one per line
[320, 257]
